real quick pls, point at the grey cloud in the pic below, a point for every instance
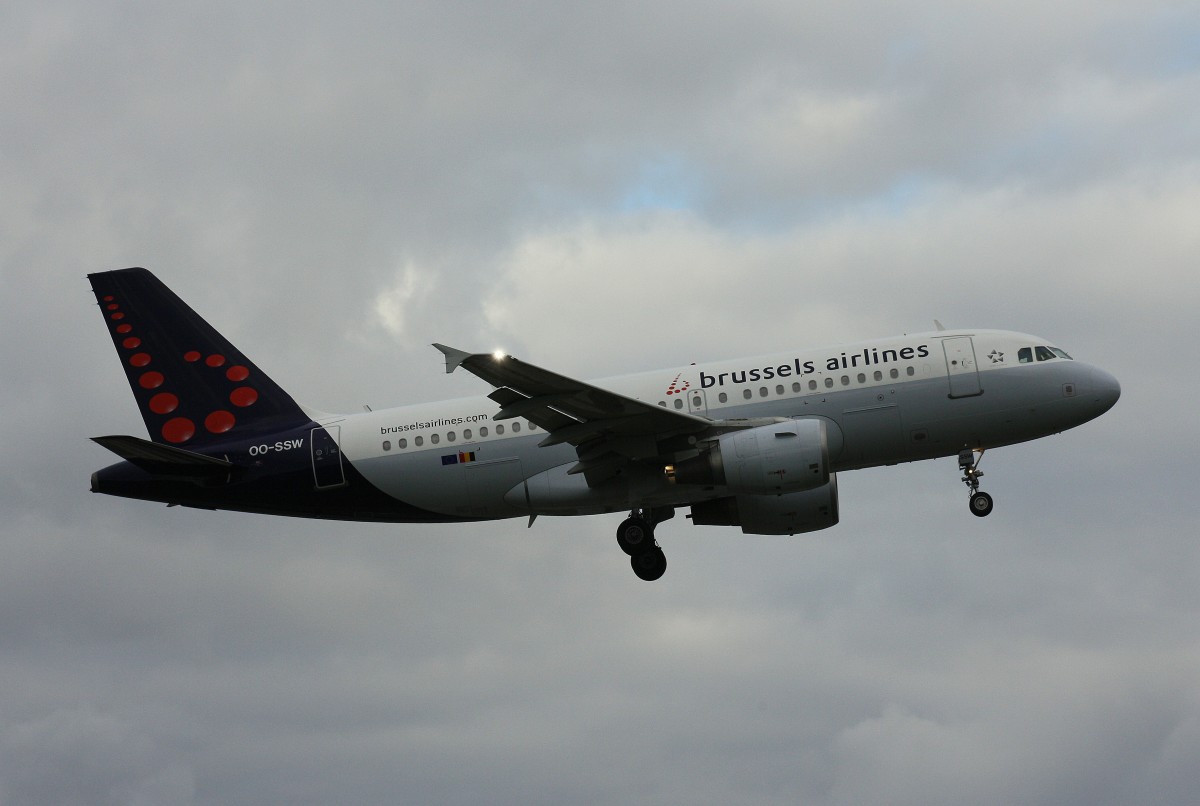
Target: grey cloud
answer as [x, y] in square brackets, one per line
[601, 190]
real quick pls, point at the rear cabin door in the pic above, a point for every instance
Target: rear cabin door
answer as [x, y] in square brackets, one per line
[327, 457]
[961, 366]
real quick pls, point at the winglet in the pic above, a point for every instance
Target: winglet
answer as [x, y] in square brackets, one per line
[454, 358]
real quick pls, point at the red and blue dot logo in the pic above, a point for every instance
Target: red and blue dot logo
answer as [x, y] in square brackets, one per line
[166, 377]
[677, 388]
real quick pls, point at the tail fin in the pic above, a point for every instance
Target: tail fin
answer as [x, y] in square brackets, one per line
[193, 387]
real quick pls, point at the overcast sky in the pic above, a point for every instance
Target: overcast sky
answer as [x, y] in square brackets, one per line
[601, 188]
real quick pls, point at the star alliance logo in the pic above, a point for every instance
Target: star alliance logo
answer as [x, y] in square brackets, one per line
[996, 356]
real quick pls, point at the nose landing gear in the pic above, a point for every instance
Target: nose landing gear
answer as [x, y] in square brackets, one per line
[635, 536]
[981, 502]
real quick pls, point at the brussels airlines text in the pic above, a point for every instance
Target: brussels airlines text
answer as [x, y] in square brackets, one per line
[867, 358]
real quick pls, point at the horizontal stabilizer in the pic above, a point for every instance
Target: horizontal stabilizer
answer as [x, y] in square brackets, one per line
[163, 460]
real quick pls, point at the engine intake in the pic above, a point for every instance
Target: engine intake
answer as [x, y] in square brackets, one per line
[794, 513]
[770, 459]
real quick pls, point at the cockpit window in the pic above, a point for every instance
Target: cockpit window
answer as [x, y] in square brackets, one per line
[1043, 354]
[1025, 355]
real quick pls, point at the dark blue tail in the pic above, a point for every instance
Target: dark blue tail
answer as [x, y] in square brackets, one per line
[193, 387]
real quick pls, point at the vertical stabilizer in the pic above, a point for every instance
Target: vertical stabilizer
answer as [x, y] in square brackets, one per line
[192, 386]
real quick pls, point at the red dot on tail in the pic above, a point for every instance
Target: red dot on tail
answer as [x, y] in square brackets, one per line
[124, 328]
[164, 403]
[150, 380]
[243, 396]
[178, 429]
[215, 360]
[219, 422]
[114, 307]
[117, 315]
[131, 343]
[139, 359]
[191, 356]
[109, 298]
[237, 373]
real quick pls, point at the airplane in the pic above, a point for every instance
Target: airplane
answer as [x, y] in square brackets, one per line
[755, 443]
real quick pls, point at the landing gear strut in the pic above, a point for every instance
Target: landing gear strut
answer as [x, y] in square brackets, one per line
[635, 536]
[981, 502]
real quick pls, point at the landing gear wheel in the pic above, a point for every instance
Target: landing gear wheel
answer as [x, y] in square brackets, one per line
[981, 504]
[649, 565]
[635, 536]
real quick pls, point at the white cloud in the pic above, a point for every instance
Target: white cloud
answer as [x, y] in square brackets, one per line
[392, 308]
[591, 295]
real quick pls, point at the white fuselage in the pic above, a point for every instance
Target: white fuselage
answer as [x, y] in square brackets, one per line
[884, 402]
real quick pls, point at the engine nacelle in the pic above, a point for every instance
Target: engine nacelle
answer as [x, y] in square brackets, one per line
[769, 460]
[790, 514]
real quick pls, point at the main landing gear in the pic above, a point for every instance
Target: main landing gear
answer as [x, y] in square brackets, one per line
[981, 502]
[635, 536]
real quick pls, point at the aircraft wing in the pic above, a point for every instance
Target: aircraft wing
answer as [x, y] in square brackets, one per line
[607, 429]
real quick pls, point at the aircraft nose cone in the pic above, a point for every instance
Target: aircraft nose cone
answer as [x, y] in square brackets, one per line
[1105, 390]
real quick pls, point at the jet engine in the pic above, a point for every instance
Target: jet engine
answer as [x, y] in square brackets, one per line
[771, 459]
[793, 513]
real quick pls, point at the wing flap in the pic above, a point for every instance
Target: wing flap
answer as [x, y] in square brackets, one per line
[580, 401]
[540, 414]
[611, 428]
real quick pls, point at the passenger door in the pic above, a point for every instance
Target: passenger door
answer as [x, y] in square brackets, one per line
[327, 457]
[961, 367]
